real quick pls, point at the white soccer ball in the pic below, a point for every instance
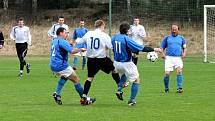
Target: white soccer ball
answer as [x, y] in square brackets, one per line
[152, 56]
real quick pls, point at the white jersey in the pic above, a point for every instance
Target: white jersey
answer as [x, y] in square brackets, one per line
[97, 42]
[52, 31]
[138, 33]
[21, 34]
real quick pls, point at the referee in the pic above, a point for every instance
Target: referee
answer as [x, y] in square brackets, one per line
[22, 37]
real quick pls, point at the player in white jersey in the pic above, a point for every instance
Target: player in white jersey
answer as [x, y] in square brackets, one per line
[52, 31]
[137, 33]
[22, 37]
[98, 43]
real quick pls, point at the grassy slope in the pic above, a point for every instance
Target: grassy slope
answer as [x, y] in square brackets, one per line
[29, 99]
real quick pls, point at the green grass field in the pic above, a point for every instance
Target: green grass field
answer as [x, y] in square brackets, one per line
[30, 99]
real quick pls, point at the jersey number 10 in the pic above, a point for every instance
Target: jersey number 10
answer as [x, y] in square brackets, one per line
[95, 42]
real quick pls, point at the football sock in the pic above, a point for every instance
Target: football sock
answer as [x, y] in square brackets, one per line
[87, 86]
[116, 77]
[75, 62]
[60, 85]
[122, 82]
[179, 80]
[79, 89]
[134, 90]
[166, 82]
[21, 71]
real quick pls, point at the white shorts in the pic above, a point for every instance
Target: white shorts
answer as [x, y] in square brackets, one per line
[173, 62]
[65, 73]
[127, 68]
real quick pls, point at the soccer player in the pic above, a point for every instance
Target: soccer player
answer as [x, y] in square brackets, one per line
[1, 40]
[52, 31]
[77, 34]
[22, 36]
[60, 48]
[137, 33]
[123, 47]
[98, 43]
[174, 46]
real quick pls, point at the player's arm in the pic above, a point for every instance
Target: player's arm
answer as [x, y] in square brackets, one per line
[29, 37]
[142, 32]
[184, 48]
[51, 31]
[163, 46]
[12, 33]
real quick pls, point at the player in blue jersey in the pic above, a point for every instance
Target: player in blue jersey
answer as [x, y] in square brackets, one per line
[123, 47]
[174, 46]
[60, 66]
[78, 34]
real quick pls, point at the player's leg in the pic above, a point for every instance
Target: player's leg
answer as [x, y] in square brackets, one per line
[179, 67]
[75, 63]
[93, 65]
[74, 78]
[25, 47]
[20, 49]
[133, 76]
[84, 61]
[168, 70]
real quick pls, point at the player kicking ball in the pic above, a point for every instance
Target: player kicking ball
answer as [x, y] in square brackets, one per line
[60, 66]
[123, 46]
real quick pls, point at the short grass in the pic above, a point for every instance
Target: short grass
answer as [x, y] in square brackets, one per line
[30, 98]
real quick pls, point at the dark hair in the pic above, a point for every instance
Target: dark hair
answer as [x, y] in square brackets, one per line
[176, 25]
[20, 19]
[99, 23]
[124, 27]
[60, 17]
[59, 30]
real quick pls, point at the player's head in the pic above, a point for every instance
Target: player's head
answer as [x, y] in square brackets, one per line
[81, 23]
[124, 28]
[61, 32]
[174, 29]
[100, 24]
[61, 20]
[136, 21]
[20, 22]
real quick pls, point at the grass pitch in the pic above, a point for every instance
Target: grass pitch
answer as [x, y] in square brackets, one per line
[30, 98]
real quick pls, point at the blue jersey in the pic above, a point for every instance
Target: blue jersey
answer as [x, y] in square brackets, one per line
[59, 54]
[173, 45]
[123, 46]
[79, 33]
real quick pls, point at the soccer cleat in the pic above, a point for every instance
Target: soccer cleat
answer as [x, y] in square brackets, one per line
[131, 103]
[87, 101]
[28, 68]
[166, 90]
[57, 99]
[179, 90]
[119, 95]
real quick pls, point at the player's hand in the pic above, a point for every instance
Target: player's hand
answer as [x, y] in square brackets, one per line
[157, 50]
[82, 49]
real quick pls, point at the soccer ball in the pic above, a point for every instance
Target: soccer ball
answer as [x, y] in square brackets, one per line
[152, 56]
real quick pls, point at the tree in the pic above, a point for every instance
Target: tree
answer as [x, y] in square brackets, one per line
[5, 4]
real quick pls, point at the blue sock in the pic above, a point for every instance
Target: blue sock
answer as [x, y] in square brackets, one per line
[75, 62]
[60, 85]
[179, 80]
[166, 82]
[134, 90]
[121, 83]
[79, 89]
[84, 61]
